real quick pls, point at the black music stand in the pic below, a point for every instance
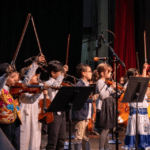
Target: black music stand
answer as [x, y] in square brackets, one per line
[70, 98]
[135, 93]
[5, 144]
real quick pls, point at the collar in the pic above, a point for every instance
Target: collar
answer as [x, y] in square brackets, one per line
[7, 88]
[85, 83]
[51, 79]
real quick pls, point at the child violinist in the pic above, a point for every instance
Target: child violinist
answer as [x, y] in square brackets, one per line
[106, 105]
[56, 129]
[143, 119]
[30, 137]
[9, 108]
[82, 116]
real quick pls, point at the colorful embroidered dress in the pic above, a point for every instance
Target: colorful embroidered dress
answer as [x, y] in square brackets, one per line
[143, 127]
[9, 108]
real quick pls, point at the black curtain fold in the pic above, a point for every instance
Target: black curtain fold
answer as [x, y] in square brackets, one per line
[142, 22]
[54, 20]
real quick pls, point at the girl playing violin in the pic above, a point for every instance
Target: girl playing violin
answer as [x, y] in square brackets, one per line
[9, 108]
[143, 119]
[106, 105]
[30, 137]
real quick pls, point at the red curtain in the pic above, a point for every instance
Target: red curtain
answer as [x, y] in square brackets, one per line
[124, 45]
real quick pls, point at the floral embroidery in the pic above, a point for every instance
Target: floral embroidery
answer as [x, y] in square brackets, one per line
[10, 100]
[6, 92]
[11, 107]
[6, 104]
[1, 104]
[17, 108]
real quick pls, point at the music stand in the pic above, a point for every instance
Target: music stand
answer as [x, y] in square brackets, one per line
[70, 98]
[135, 93]
[5, 143]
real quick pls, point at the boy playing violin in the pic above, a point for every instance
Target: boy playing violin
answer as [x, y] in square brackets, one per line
[56, 129]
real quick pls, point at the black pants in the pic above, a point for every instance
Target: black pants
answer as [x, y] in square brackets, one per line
[57, 132]
[12, 131]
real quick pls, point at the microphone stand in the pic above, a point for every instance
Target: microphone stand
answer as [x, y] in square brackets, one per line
[117, 60]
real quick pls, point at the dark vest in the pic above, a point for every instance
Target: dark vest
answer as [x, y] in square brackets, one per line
[83, 113]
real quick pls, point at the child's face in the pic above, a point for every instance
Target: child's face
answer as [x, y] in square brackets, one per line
[88, 73]
[122, 80]
[107, 74]
[55, 74]
[12, 79]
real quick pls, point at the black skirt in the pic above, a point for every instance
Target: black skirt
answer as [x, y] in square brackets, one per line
[106, 118]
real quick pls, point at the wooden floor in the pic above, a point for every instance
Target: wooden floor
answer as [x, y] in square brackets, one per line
[94, 141]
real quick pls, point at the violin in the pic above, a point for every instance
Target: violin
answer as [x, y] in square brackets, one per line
[20, 88]
[67, 83]
[119, 87]
[93, 119]
[123, 108]
[90, 127]
[44, 116]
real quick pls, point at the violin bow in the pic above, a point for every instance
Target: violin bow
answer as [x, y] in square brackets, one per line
[37, 38]
[145, 46]
[20, 41]
[137, 60]
[67, 55]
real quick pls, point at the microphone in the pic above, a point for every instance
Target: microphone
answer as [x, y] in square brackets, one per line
[99, 40]
[100, 58]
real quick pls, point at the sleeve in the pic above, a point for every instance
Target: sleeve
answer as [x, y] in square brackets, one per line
[89, 100]
[3, 80]
[30, 73]
[103, 90]
[30, 98]
[56, 82]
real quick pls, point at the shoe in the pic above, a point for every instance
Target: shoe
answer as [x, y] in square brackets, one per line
[86, 145]
[77, 146]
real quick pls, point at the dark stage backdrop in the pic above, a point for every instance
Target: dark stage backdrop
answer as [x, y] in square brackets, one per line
[142, 22]
[54, 20]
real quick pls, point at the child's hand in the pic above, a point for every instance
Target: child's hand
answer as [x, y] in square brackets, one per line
[148, 91]
[145, 66]
[66, 68]
[95, 97]
[45, 88]
[41, 58]
[113, 85]
[45, 92]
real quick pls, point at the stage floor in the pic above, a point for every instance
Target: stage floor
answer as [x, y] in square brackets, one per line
[94, 141]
